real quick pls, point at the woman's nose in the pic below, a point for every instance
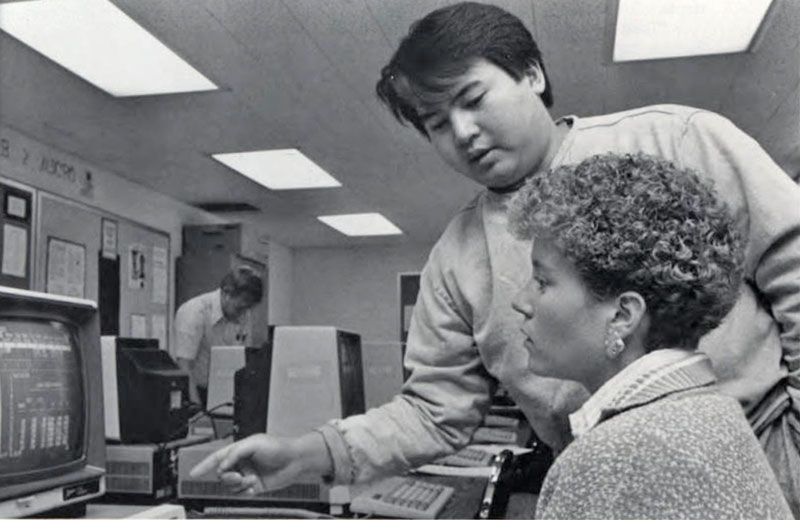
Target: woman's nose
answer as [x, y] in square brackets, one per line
[522, 303]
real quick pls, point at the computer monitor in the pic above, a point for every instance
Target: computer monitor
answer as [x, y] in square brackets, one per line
[315, 374]
[146, 394]
[224, 361]
[52, 441]
[383, 371]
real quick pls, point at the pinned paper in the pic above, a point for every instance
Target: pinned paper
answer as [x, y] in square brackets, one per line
[138, 326]
[15, 251]
[160, 266]
[137, 268]
[158, 329]
[66, 268]
[109, 239]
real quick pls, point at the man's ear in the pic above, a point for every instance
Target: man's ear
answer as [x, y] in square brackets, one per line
[630, 310]
[535, 76]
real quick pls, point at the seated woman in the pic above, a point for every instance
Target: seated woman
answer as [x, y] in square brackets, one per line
[634, 260]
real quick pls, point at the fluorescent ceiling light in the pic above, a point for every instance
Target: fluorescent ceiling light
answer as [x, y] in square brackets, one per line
[97, 41]
[361, 224]
[653, 29]
[279, 169]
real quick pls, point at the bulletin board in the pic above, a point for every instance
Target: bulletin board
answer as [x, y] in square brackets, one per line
[141, 253]
[16, 229]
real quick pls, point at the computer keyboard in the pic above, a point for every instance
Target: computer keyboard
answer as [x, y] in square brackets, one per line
[494, 436]
[402, 497]
[467, 458]
[241, 512]
[501, 421]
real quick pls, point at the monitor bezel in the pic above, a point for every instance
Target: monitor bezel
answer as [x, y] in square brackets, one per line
[75, 315]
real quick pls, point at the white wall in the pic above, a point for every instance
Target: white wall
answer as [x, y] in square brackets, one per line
[353, 288]
[43, 167]
[281, 268]
[36, 164]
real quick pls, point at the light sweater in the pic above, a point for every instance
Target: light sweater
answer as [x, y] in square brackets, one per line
[665, 445]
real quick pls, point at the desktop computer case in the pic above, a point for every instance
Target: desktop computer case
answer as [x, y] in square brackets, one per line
[207, 489]
[140, 470]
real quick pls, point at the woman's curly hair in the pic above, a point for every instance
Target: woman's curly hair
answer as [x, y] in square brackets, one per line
[640, 223]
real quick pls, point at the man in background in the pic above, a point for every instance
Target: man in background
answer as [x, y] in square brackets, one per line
[219, 317]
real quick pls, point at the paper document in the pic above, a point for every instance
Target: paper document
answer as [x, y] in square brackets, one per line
[455, 471]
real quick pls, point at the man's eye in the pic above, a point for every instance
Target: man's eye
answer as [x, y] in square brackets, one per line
[439, 125]
[474, 102]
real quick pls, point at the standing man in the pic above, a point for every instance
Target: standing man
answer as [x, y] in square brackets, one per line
[471, 79]
[219, 317]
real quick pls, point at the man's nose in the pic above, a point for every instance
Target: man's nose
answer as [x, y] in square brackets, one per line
[465, 129]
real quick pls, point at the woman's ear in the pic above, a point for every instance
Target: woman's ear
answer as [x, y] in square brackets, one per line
[629, 313]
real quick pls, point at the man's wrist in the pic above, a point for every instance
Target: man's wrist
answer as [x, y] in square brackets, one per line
[313, 453]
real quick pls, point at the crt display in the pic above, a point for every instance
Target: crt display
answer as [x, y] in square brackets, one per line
[41, 397]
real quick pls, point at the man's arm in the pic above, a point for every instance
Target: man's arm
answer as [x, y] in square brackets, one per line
[767, 202]
[186, 365]
[188, 335]
[441, 404]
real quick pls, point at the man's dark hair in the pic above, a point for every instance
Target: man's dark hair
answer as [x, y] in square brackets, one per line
[243, 281]
[443, 44]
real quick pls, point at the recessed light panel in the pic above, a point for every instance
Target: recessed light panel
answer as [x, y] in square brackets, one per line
[97, 41]
[361, 224]
[285, 169]
[655, 29]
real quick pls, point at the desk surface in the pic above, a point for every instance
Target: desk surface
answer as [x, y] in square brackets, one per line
[520, 505]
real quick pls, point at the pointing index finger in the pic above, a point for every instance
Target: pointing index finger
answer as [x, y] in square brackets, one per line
[212, 462]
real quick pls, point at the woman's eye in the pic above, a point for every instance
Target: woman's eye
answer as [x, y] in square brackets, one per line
[540, 283]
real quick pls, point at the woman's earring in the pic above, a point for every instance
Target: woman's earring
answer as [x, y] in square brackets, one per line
[614, 344]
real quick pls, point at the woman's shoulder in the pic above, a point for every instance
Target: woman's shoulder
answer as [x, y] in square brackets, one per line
[691, 422]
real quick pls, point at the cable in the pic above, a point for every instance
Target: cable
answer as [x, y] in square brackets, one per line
[197, 413]
[210, 415]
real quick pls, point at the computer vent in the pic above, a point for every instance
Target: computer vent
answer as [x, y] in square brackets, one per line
[114, 467]
[116, 484]
[195, 488]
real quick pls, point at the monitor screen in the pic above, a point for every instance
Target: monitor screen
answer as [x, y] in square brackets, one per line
[41, 398]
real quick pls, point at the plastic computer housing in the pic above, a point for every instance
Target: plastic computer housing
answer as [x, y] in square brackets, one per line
[225, 361]
[302, 378]
[383, 372]
[52, 439]
[145, 392]
[316, 375]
